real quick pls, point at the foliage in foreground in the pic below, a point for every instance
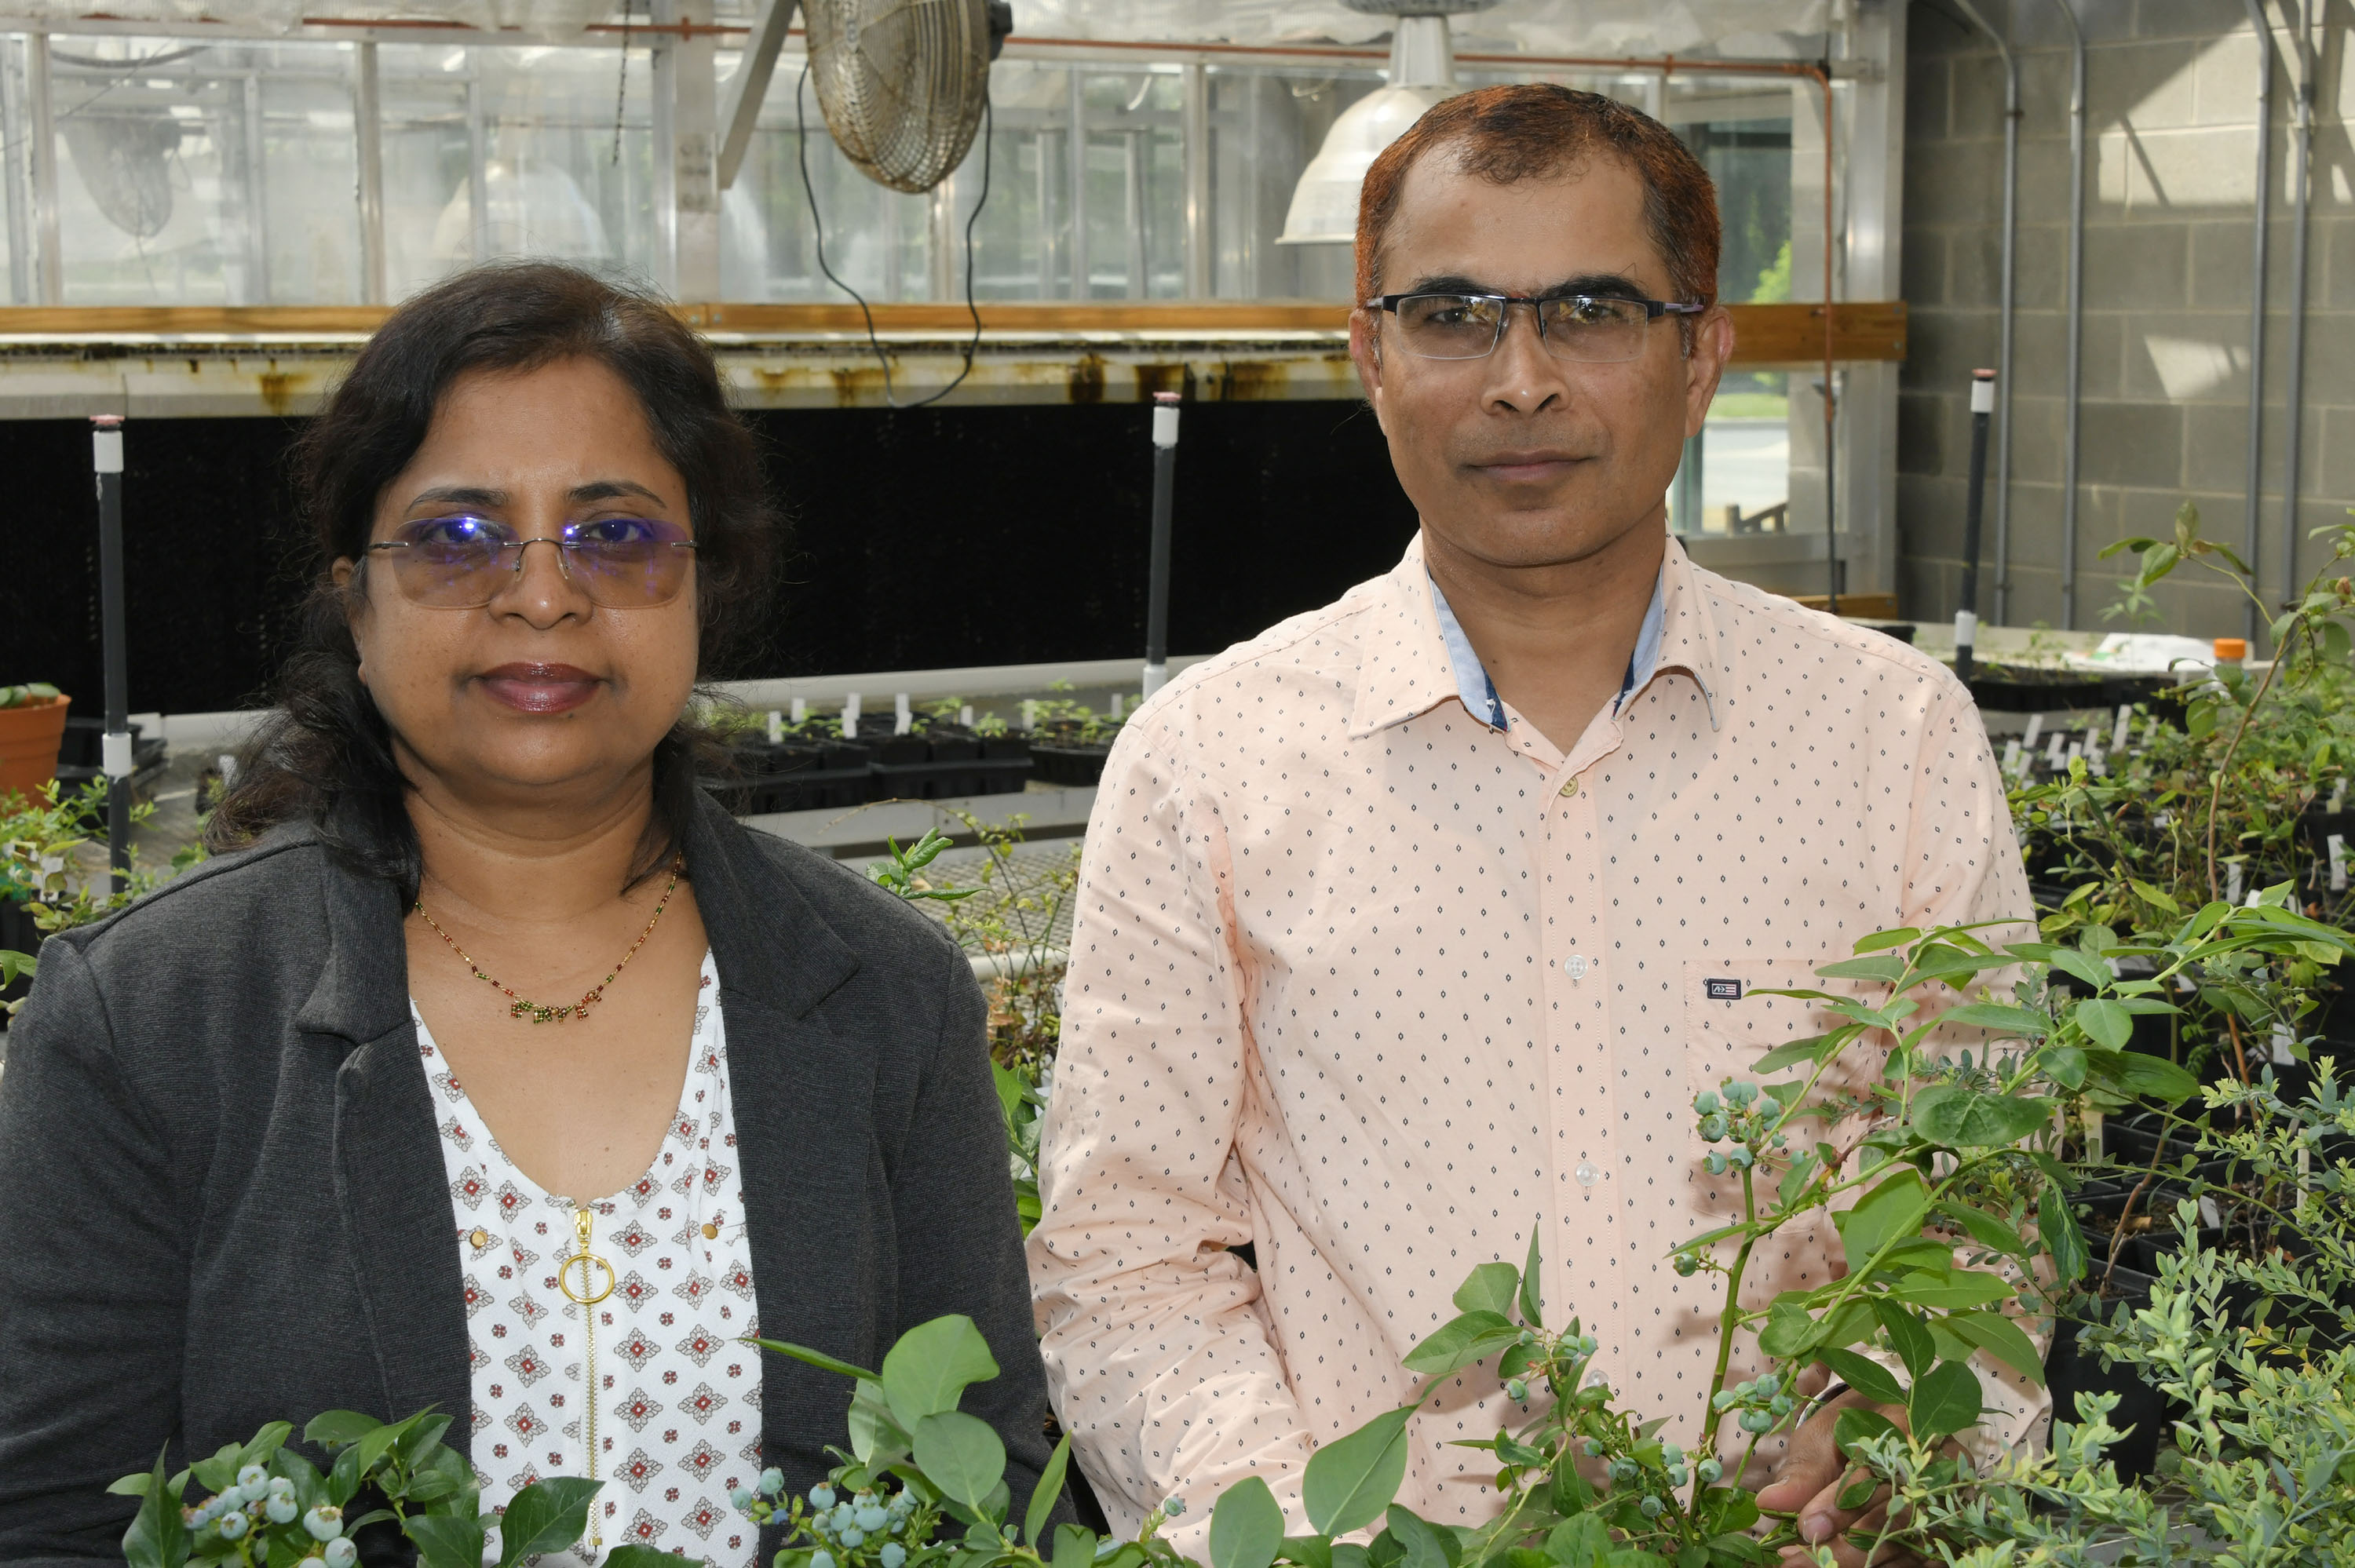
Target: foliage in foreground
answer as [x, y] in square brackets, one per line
[1941, 1178]
[266, 1506]
[41, 842]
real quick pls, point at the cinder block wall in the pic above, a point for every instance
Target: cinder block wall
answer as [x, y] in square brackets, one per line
[2170, 180]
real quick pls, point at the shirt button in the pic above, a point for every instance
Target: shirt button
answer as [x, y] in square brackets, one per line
[1574, 966]
[710, 1231]
[1570, 787]
[480, 1239]
[1587, 1174]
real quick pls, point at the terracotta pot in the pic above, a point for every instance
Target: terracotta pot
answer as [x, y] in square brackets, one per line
[30, 737]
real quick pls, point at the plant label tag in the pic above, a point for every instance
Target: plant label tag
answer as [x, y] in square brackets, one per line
[2011, 757]
[2337, 845]
[776, 727]
[2339, 797]
[2035, 728]
[2210, 1215]
[2233, 883]
[2119, 733]
[1721, 990]
[2280, 1045]
[2053, 754]
[800, 709]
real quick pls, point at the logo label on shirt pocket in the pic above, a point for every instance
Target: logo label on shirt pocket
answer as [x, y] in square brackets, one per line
[1723, 990]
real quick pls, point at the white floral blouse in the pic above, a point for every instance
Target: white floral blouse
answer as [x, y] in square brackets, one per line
[676, 1416]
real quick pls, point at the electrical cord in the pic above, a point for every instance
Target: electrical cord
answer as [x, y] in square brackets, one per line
[973, 345]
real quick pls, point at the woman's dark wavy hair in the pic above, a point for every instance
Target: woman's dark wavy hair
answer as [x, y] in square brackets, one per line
[324, 753]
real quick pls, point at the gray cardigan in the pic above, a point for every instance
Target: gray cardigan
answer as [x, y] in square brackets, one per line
[222, 1200]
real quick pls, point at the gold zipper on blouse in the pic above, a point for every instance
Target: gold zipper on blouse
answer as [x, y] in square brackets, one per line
[587, 1297]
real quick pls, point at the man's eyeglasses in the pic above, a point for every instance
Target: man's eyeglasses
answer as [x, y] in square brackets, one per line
[1591, 329]
[463, 563]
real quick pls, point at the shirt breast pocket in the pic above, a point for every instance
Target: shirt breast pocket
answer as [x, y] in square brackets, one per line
[1733, 1021]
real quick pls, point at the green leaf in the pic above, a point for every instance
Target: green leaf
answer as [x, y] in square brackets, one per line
[447, 1541]
[929, 1370]
[1815, 1048]
[545, 1516]
[1491, 1288]
[1075, 1547]
[1892, 1210]
[1865, 1375]
[1348, 1482]
[1050, 1486]
[344, 1480]
[1907, 1335]
[2156, 1077]
[1580, 1541]
[1886, 967]
[2056, 1226]
[2071, 961]
[875, 1437]
[961, 1455]
[1880, 940]
[1425, 1544]
[1532, 1298]
[1986, 1230]
[270, 1438]
[1348, 1554]
[1308, 1550]
[1789, 1329]
[1247, 1524]
[1963, 1117]
[819, 1358]
[1858, 1493]
[2024, 1021]
[1999, 1337]
[1959, 1291]
[158, 1536]
[373, 1447]
[1947, 1402]
[1459, 1343]
[1794, 1181]
[130, 1485]
[1855, 1424]
[217, 1472]
[2105, 1021]
[636, 1556]
[333, 1428]
[2066, 1065]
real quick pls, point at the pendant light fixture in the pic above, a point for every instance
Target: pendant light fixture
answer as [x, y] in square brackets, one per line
[1422, 71]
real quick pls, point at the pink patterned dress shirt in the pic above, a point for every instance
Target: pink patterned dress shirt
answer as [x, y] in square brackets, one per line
[1374, 987]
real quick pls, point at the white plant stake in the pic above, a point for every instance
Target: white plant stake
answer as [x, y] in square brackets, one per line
[2282, 1042]
[800, 711]
[2011, 757]
[1030, 712]
[2119, 735]
[2339, 797]
[2337, 845]
[850, 716]
[903, 722]
[228, 770]
[776, 727]
[1115, 705]
[964, 715]
[2232, 882]
[2052, 753]
[2035, 728]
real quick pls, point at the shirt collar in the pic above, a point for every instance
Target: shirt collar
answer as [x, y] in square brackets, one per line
[1479, 692]
[1416, 656]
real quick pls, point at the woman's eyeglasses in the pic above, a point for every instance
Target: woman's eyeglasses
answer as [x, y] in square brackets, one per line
[1591, 329]
[464, 563]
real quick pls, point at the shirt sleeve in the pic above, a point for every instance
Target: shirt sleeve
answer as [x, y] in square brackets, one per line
[1969, 870]
[1159, 1356]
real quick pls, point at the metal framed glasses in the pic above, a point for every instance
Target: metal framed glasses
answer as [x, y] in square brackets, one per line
[463, 562]
[1590, 329]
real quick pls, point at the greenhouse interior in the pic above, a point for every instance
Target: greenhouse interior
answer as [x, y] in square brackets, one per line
[1304, 927]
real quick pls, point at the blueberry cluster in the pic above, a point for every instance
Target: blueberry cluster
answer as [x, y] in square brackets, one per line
[859, 1527]
[1732, 1119]
[1764, 1405]
[260, 1500]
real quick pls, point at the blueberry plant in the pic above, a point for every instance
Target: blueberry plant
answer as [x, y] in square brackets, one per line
[1938, 1165]
[264, 1505]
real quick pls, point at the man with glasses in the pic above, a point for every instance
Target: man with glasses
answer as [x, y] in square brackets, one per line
[1414, 926]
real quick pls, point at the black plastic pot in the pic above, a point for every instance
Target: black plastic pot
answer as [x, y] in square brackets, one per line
[2142, 1411]
[1074, 765]
[2017, 693]
[17, 935]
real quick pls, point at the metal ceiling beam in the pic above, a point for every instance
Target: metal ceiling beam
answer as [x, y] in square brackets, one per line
[750, 85]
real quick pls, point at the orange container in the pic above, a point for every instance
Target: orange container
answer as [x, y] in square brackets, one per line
[30, 737]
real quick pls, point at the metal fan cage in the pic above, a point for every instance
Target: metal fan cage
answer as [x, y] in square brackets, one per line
[901, 82]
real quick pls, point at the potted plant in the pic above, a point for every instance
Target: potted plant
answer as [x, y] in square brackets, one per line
[32, 727]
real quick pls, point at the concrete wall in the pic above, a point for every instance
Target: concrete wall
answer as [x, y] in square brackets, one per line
[2170, 176]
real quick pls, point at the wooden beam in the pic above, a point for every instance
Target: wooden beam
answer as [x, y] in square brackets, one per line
[1789, 335]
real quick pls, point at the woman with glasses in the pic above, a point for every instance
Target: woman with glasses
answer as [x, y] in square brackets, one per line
[494, 1070]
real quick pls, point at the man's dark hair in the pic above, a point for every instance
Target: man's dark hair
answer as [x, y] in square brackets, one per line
[1536, 129]
[325, 752]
